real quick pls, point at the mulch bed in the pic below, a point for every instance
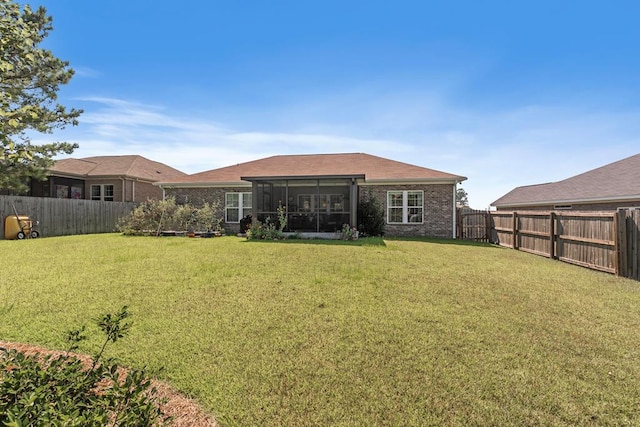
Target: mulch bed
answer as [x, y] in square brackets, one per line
[185, 412]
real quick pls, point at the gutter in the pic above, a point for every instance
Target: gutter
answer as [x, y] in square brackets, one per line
[202, 184]
[570, 201]
[409, 181]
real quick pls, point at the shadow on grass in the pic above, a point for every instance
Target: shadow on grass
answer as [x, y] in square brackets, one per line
[380, 241]
[441, 241]
[365, 241]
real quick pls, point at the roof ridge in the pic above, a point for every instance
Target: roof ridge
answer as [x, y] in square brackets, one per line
[136, 158]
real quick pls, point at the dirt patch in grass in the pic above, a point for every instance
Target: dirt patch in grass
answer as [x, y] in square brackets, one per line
[184, 411]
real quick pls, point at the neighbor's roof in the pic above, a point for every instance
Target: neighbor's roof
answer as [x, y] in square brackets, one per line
[131, 166]
[613, 182]
[315, 165]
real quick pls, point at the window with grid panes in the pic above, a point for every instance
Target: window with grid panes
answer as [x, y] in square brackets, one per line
[405, 207]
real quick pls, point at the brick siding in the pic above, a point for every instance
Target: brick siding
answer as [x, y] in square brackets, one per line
[438, 210]
[438, 206]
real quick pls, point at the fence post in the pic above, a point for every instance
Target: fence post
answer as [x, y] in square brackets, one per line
[619, 235]
[515, 230]
[487, 226]
[552, 235]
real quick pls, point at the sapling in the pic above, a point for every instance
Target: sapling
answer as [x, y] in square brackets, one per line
[38, 390]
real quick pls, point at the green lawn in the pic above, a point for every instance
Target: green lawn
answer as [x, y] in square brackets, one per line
[393, 332]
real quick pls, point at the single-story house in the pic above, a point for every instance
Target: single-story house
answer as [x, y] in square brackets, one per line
[321, 192]
[108, 178]
[613, 186]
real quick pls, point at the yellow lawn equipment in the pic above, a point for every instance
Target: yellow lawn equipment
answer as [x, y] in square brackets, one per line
[19, 227]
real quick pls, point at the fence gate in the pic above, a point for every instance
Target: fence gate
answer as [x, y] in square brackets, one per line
[473, 225]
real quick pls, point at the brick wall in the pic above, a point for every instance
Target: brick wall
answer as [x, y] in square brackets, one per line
[438, 206]
[438, 210]
[143, 191]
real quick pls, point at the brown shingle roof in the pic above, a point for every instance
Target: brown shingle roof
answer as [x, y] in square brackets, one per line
[131, 166]
[312, 165]
[616, 181]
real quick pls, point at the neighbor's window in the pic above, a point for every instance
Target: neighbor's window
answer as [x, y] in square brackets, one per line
[236, 206]
[404, 207]
[102, 192]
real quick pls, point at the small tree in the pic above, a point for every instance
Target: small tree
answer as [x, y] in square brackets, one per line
[29, 82]
[462, 198]
[371, 216]
[38, 390]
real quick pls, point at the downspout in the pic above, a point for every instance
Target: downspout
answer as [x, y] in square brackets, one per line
[353, 195]
[455, 188]
[124, 193]
[133, 190]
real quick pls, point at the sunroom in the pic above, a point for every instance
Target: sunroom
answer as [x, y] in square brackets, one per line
[311, 204]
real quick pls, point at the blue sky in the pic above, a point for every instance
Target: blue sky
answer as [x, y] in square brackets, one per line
[506, 93]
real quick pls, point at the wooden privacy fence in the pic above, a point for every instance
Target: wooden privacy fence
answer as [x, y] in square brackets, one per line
[473, 225]
[605, 241]
[61, 217]
[629, 242]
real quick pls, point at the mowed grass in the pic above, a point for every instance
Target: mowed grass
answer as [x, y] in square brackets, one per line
[393, 332]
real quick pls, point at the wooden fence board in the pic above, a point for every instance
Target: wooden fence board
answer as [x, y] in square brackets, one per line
[61, 217]
[604, 241]
[472, 225]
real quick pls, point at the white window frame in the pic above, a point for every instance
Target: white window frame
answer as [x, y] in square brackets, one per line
[406, 217]
[243, 208]
[101, 196]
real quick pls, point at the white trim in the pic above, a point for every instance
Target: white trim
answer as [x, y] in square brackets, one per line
[571, 201]
[241, 184]
[102, 192]
[455, 210]
[242, 210]
[379, 182]
[405, 207]
[360, 182]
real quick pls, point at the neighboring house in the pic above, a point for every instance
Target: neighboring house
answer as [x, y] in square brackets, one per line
[107, 178]
[320, 192]
[613, 186]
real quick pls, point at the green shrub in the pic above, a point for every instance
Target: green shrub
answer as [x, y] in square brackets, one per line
[37, 390]
[156, 215]
[268, 230]
[371, 217]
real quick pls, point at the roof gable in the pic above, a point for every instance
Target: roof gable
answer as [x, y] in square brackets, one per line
[354, 164]
[617, 180]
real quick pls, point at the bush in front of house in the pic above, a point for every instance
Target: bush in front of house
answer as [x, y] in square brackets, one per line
[37, 390]
[269, 230]
[371, 217]
[160, 215]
